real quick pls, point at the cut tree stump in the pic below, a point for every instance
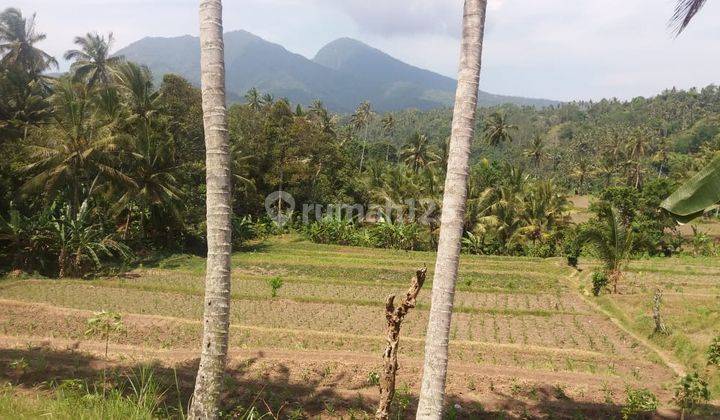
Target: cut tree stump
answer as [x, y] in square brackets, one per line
[395, 317]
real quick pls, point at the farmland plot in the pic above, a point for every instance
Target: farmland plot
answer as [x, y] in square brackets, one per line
[523, 341]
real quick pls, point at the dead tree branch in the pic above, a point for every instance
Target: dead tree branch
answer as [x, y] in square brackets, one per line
[395, 317]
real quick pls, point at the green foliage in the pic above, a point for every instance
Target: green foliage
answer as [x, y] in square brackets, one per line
[275, 284]
[696, 195]
[611, 238]
[639, 402]
[691, 392]
[106, 134]
[82, 243]
[104, 324]
[374, 378]
[136, 395]
[600, 281]
[713, 353]
[473, 244]
[405, 236]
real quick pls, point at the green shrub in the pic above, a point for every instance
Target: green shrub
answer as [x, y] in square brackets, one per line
[473, 244]
[639, 402]
[406, 236]
[275, 284]
[331, 231]
[600, 280]
[714, 352]
[104, 324]
[691, 392]
[243, 230]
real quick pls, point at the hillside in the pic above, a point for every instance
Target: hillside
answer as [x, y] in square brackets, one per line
[343, 73]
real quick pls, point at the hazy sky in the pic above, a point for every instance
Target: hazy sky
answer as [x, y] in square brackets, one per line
[557, 49]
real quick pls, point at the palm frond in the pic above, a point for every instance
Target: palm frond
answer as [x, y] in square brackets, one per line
[685, 11]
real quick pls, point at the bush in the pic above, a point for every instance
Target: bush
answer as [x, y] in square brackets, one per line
[473, 244]
[331, 231]
[243, 230]
[572, 248]
[406, 236]
[275, 284]
[691, 392]
[639, 402]
[714, 352]
[600, 281]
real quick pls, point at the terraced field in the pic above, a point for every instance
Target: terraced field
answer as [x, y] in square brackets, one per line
[690, 308]
[525, 341]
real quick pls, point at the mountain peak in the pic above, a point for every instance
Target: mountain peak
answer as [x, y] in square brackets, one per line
[344, 73]
[344, 52]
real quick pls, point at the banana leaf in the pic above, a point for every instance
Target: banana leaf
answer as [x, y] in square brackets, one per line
[696, 195]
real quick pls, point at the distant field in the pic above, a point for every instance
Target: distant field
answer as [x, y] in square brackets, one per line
[691, 307]
[524, 339]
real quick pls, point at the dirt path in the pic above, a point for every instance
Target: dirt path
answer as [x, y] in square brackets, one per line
[666, 358]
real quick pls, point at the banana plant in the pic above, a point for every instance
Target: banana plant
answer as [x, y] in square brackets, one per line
[699, 193]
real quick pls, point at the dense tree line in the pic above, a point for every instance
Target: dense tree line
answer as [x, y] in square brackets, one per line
[101, 164]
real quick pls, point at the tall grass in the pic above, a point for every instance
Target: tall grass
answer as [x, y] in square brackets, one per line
[136, 396]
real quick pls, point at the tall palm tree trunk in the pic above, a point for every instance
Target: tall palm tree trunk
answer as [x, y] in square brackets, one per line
[453, 213]
[216, 321]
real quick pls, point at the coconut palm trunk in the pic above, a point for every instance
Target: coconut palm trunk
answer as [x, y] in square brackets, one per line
[453, 213]
[216, 321]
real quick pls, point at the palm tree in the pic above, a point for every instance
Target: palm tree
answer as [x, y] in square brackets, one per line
[613, 240]
[498, 130]
[388, 126]
[155, 187]
[81, 151]
[136, 87]
[93, 62]
[361, 120]
[18, 37]
[685, 11]
[252, 97]
[417, 153]
[267, 100]
[216, 320]
[581, 169]
[322, 116]
[432, 392]
[536, 152]
[637, 151]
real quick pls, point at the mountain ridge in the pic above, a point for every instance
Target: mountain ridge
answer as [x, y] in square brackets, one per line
[342, 74]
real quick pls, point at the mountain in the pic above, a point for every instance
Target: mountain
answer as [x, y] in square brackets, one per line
[343, 73]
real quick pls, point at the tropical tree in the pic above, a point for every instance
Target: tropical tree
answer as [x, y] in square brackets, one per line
[253, 99]
[418, 153]
[613, 239]
[140, 97]
[432, 391]
[361, 120]
[18, 37]
[388, 126]
[638, 148]
[79, 151]
[498, 130]
[536, 151]
[216, 320]
[154, 189]
[320, 114]
[93, 62]
[82, 242]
